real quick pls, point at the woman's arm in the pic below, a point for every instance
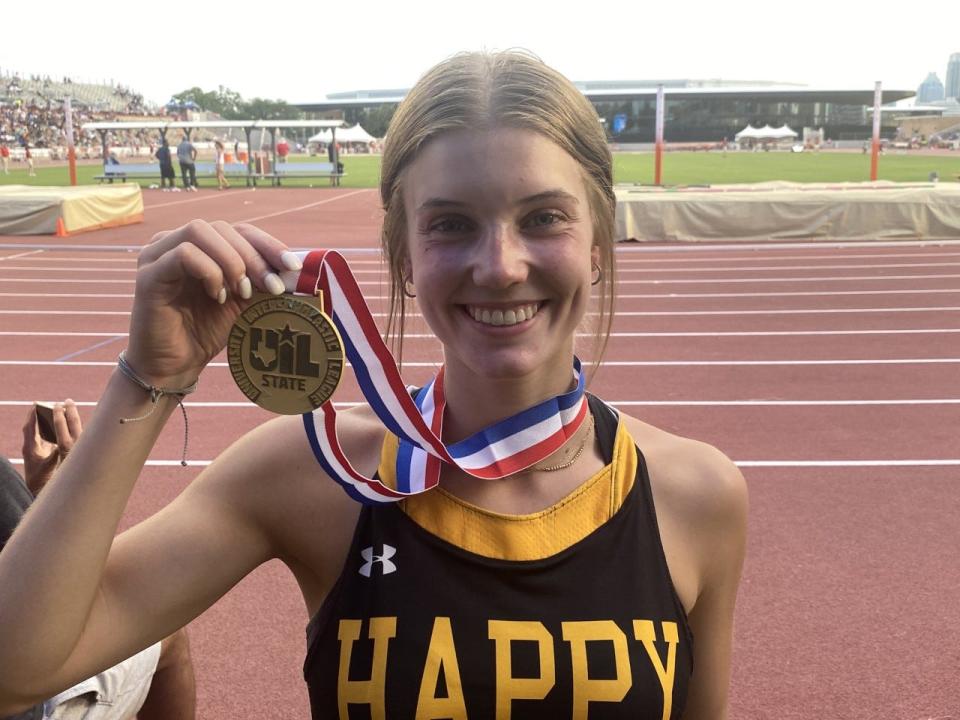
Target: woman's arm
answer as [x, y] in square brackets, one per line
[67, 610]
[716, 508]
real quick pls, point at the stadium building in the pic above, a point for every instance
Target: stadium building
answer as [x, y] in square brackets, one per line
[696, 110]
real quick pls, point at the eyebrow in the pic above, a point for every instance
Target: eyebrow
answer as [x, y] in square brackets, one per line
[556, 194]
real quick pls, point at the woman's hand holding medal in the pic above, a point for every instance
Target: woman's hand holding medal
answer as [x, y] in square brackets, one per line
[192, 283]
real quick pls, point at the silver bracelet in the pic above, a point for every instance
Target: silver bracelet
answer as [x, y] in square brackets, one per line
[155, 394]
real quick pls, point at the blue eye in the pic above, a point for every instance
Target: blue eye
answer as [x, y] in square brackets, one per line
[545, 218]
[449, 225]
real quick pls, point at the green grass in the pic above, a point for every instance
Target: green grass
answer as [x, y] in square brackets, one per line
[679, 168]
[688, 168]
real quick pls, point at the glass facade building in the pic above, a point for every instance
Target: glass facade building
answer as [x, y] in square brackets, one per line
[694, 112]
[953, 77]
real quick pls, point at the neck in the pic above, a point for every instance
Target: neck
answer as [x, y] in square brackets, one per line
[474, 403]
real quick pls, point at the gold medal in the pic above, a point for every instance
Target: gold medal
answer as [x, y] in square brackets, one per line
[285, 354]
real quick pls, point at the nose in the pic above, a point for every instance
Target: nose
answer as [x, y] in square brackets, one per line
[500, 258]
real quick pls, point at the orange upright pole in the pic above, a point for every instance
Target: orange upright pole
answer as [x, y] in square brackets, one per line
[875, 150]
[658, 155]
[71, 151]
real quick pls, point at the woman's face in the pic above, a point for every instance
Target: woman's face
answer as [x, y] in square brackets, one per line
[501, 245]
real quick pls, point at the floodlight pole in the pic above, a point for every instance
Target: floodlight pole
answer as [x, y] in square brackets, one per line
[71, 150]
[875, 151]
[658, 161]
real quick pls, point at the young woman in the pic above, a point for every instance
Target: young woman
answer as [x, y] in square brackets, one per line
[221, 154]
[601, 577]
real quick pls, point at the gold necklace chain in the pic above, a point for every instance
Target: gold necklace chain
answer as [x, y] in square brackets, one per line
[552, 468]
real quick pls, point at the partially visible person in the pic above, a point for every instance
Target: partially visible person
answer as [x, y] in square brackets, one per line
[5, 158]
[187, 155]
[283, 149]
[28, 156]
[221, 177]
[167, 174]
[155, 684]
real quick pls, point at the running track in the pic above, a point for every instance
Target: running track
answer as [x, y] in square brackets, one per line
[830, 374]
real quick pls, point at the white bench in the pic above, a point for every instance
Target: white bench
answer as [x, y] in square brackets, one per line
[308, 169]
[123, 171]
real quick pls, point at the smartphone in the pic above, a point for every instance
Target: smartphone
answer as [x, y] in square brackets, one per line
[45, 421]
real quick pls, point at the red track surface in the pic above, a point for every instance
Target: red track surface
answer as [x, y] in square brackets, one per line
[848, 603]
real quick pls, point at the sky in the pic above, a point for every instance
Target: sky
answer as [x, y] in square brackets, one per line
[300, 51]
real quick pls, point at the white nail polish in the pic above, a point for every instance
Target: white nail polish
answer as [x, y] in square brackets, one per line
[246, 288]
[222, 296]
[274, 283]
[291, 261]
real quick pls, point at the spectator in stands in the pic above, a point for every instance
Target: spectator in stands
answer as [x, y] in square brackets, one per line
[155, 684]
[167, 173]
[187, 155]
[5, 158]
[221, 178]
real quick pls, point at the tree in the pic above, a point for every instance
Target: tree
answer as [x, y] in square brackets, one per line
[264, 109]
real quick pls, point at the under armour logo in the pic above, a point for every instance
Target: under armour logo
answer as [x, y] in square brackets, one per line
[369, 559]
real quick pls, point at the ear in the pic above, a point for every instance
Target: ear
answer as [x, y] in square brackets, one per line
[595, 255]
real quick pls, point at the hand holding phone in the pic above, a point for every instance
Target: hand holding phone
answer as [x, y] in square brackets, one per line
[45, 427]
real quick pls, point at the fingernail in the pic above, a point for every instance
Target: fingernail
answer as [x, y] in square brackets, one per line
[222, 296]
[246, 289]
[291, 261]
[274, 283]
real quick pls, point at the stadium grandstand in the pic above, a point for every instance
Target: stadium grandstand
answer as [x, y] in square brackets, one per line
[31, 112]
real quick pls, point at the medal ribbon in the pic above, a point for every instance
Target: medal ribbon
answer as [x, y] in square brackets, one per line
[504, 448]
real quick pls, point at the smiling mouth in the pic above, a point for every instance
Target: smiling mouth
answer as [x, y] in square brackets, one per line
[499, 317]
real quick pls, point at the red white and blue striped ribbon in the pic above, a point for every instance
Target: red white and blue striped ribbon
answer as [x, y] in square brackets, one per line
[497, 451]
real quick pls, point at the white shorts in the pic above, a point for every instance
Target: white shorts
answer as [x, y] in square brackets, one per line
[115, 694]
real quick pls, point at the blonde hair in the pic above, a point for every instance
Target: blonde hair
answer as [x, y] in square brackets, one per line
[484, 91]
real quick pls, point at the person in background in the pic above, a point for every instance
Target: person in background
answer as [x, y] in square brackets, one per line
[187, 155]
[221, 178]
[283, 149]
[155, 684]
[5, 158]
[167, 173]
[28, 156]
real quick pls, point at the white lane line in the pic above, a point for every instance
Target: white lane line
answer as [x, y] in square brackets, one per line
[739, 463]
[620, 296]
[606, 363]
[200, 198]
[947, 462]
[804, 293]
[825, 278]
[430, 336]
[384, 281]
[619, 313]
[304, 207]
[765, 258]
[619, 403]
[20, 255]
[619, 270]
[786, 267]
[815, 244]
[813, 311]
[68, 295]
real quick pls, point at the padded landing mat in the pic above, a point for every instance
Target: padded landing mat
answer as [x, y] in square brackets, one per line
[31, 210]
[789, 211]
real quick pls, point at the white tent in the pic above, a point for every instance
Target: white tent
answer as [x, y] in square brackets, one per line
[345, 135]
[765, 133]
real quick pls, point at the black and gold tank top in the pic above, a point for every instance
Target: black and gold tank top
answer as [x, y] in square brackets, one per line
[446, 610]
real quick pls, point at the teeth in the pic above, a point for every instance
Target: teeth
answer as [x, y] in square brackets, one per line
[503, 317]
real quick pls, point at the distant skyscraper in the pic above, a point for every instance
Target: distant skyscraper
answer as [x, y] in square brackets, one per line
[953, 76]
[930, 90]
